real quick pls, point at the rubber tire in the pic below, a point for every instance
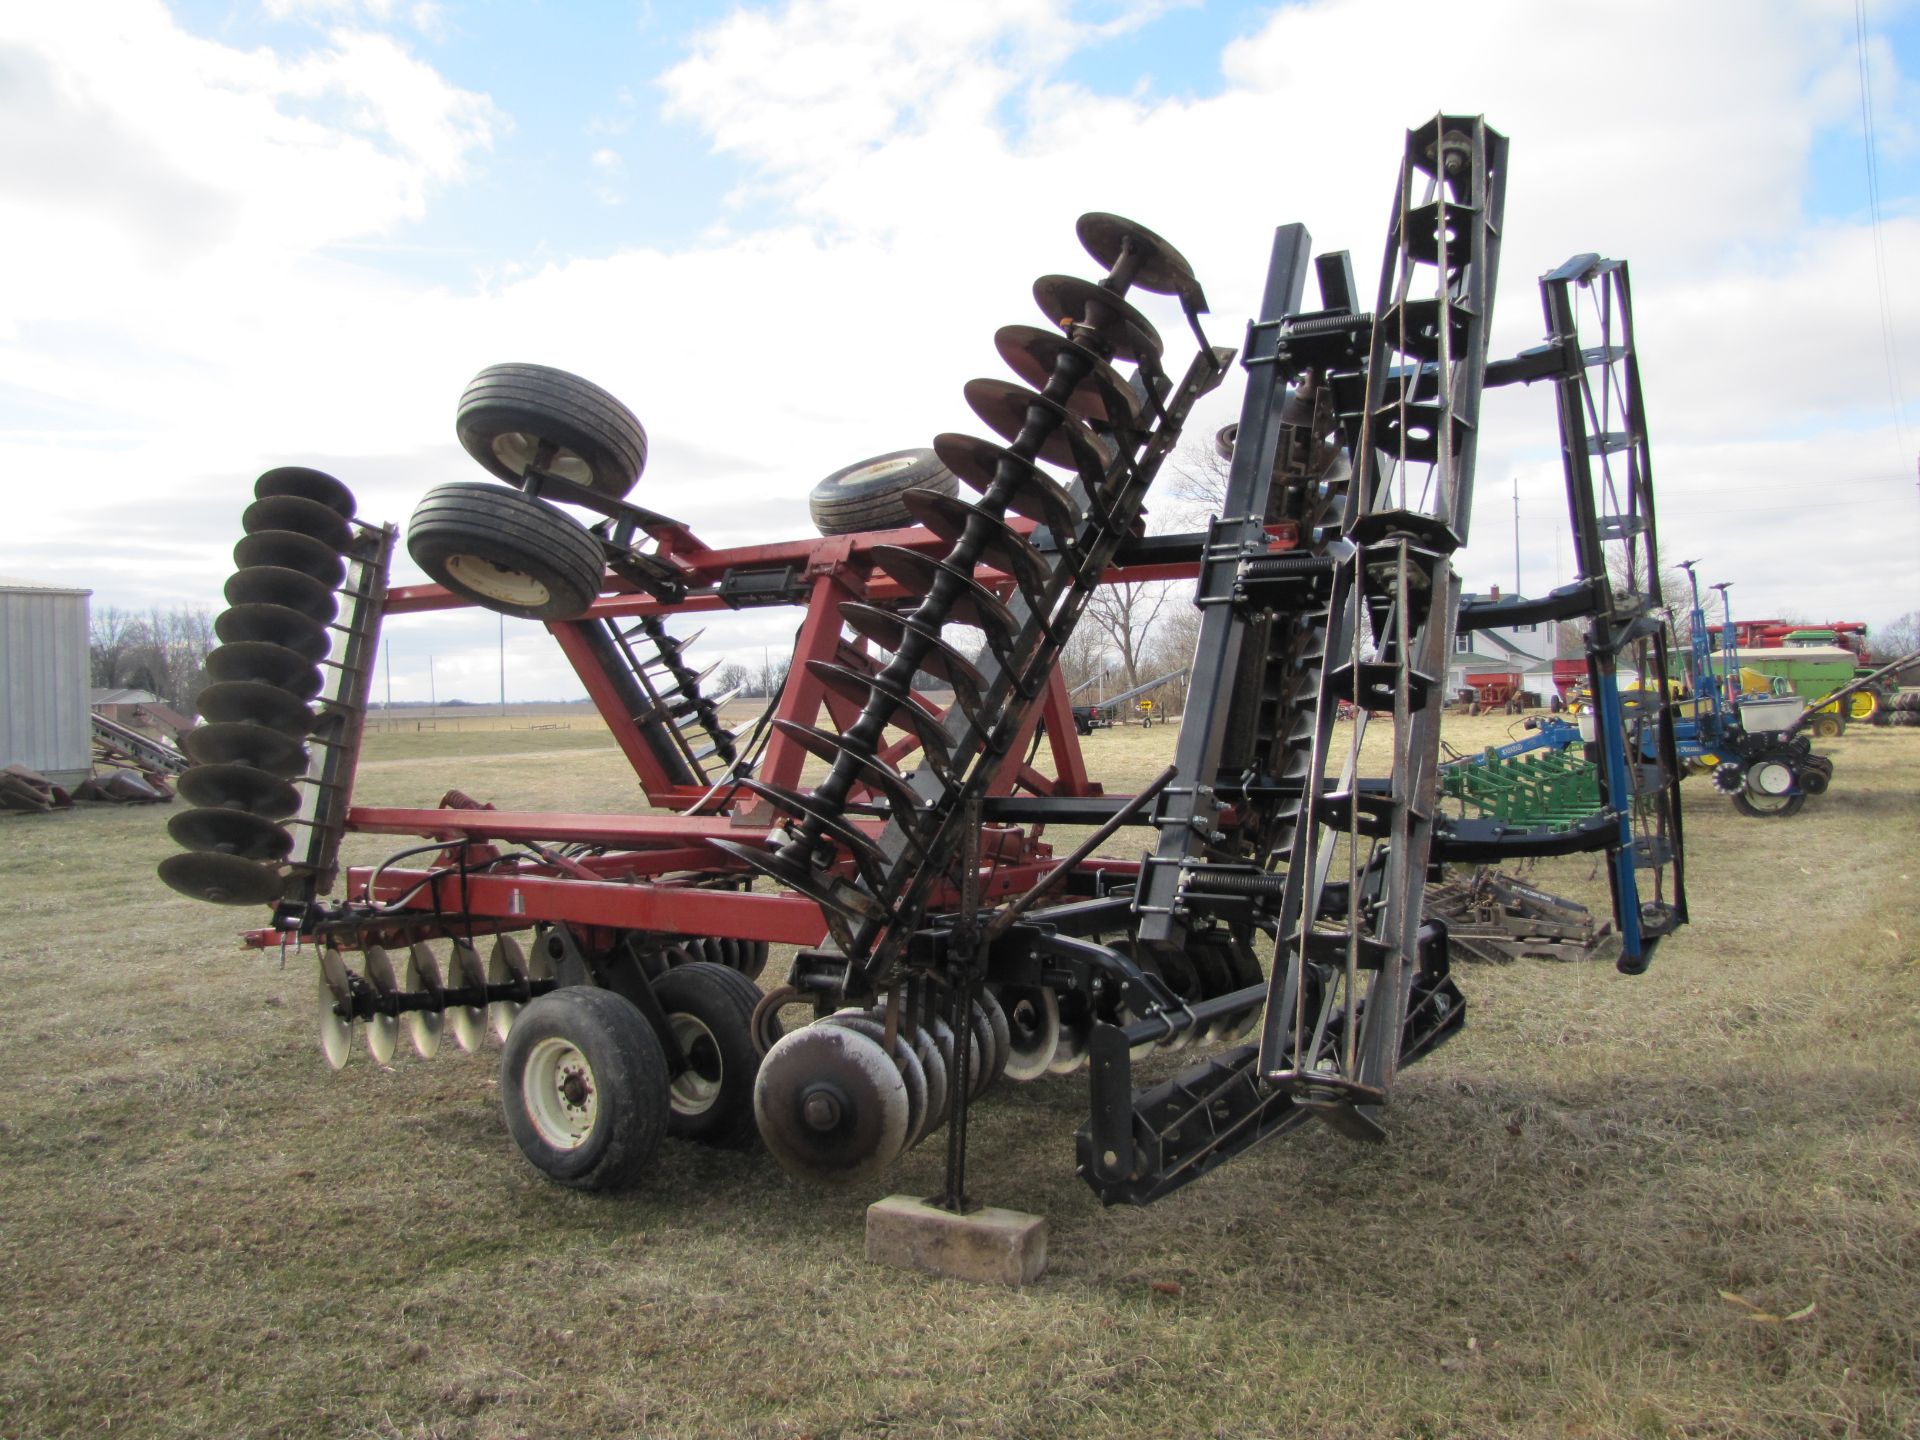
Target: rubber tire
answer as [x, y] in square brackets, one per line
[1746, 807]
[555, 406]
[628, 1066]
[721, 1000]
[472, 521]
[1827, 726]
[866, 495]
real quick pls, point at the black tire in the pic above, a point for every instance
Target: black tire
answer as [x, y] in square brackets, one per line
[507, 412]
[711, 1011]
[866, 496]
[506, 551]
[1787, 805]
[597, 1043]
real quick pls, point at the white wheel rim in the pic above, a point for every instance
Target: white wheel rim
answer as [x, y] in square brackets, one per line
[1770, 778]
[696, 1089]
[516, 450]
[561, 1096]
[497, 582]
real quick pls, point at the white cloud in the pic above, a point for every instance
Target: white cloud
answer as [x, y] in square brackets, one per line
[193, 323]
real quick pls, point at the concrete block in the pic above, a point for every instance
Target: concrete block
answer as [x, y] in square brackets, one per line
[988, 1246]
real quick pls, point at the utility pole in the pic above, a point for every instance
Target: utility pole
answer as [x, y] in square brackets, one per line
[433, 692]
[1516, 538]
[503, 665]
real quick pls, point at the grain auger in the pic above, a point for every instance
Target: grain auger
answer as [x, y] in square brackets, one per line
[941, 943]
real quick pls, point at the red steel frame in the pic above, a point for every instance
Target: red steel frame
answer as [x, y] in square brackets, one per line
[657, 872]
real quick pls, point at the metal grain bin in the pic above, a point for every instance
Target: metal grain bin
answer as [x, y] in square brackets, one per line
[45, 723]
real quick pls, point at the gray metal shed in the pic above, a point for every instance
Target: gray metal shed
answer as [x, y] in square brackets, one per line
[45, 721]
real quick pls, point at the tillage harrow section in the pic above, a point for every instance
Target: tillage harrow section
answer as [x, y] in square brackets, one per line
[900, 845]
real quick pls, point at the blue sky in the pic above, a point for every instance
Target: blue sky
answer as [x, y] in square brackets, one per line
[244, 234]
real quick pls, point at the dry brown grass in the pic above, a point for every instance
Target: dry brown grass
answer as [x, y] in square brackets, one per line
[207, 1234]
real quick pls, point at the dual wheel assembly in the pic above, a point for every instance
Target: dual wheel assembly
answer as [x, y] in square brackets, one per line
[516, 553]
[587, 1084]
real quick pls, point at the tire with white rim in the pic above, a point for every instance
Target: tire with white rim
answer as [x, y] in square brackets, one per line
[506, 551]
[583, 1082]
[710, 1008]
[866, 496]
[1769, 792]
[513, 418]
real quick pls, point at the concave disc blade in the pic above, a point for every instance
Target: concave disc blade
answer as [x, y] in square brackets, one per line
[290, 550]
[831, 1105]
[243, 743]
[239, 787]
[939, 1092]
[856, 686]
[1159, 267]
[1035, 494]
[383, 1030]
[268, 663]
[1101, 394]
[989, 1005]
[1006, 548]
[333, 994]
[870, 858]
[1033, 1026]
[506, 964]
[976, 605]
[308, 485]
[468, 1023]
[221, 879]
[1005, 408]
[889, 630]
[230, 832]
[277, 585]
[1069, 301]
[301, 516]
[276, 624]
[874, 772]
[422, 973]
[904, 1060]
[255, 701]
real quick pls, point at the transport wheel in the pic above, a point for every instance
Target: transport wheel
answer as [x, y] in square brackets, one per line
[583, 1082]
[1826, 726]
[1863, 705]
[506, 551]
[509, 414]
[711, 1011]
[1769, 792]
[866, 496]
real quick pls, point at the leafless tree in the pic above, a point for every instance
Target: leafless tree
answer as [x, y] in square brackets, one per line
[1902, 637]
[112, 636]
[1125, 614]
[167, 654]
[1086, 655]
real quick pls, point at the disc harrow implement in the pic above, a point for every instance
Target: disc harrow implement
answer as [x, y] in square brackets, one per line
[889, 818]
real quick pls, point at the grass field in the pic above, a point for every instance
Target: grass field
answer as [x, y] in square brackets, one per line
[1681, 1205]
